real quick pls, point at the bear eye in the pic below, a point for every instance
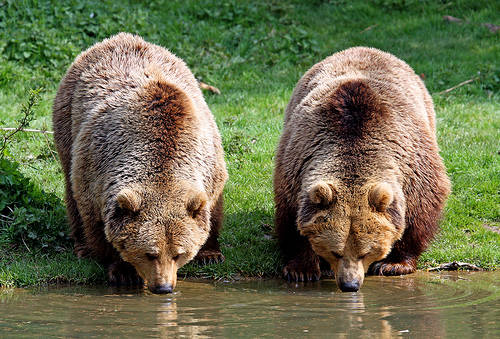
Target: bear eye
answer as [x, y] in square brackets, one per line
[152, 256]
[118, 212]
[176, 257]
[362, 256]
[336, 255]
[121, 213]
[322, 219]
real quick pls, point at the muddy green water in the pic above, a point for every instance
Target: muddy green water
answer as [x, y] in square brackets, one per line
[421, 305]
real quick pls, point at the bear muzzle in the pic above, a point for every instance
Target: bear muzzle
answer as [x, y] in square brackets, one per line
[349, 286]
[349, 274]
[161, 289]
[162, 276]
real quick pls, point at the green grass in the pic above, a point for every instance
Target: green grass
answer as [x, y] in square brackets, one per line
[36, 268]
[255, 52]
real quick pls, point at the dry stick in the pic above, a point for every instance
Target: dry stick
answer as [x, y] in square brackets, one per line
[451, 18]
[454, 266]
[457, 86]
[44, 132]
[6, 217]
[22, 238]
[26, 130]
[368, 28]
[48, 145]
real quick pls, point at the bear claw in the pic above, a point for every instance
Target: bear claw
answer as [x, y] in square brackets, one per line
[389, 268]
[296, 272]
[207, 257]
[81, 250]
[123, 274]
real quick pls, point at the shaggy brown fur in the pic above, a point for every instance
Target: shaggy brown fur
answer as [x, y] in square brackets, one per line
[142, 159]
[358, 179]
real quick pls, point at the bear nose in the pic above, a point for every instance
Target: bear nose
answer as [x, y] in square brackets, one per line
[161, 289]
[349, 286]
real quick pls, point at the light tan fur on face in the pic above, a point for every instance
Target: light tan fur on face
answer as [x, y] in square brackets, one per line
[161, 236]
[352, 231]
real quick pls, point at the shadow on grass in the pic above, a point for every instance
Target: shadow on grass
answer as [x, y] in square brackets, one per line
[249, 246]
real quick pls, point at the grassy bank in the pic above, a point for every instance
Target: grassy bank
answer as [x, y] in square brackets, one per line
[255, 52]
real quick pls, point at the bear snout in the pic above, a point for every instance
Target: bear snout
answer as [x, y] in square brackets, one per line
[349, 286]
[161, 289]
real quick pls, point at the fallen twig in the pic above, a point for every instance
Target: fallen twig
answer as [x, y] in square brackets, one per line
[492, 27]
[6, 217]
[451, 18]
[495, 229]
[454, 266]
[22, 238]
[369, 28]
[50, 148]
[26, 130]
[463, 83]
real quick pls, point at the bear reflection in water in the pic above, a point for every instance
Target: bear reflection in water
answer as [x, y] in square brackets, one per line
[251, 310]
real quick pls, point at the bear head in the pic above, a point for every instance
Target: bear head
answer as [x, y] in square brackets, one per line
[351, 227]
[158, 230]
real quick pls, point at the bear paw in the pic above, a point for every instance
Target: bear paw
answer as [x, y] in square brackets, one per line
[406, 266]
[81, 250]
[298, 270]
[206, 257]
[123, 274]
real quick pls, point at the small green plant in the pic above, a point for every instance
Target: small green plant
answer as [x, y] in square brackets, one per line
[29, 217]
[23, 122]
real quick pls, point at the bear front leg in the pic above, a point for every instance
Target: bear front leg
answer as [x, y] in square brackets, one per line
[304, 266]
[121, 273]
[210, 252]
[422, 220]
[420, 231]
[76, 224]
[401, 260]
[302, 263]
[394, 267]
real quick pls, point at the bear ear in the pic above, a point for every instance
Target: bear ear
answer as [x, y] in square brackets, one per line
[307, 230]
[195, 203]
[129, 200]
[381, 196]
[322, 193]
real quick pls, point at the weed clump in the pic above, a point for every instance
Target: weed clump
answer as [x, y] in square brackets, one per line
[29, 217]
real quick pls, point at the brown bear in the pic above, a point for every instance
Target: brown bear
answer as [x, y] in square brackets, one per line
[142, 159]
[358, 180]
